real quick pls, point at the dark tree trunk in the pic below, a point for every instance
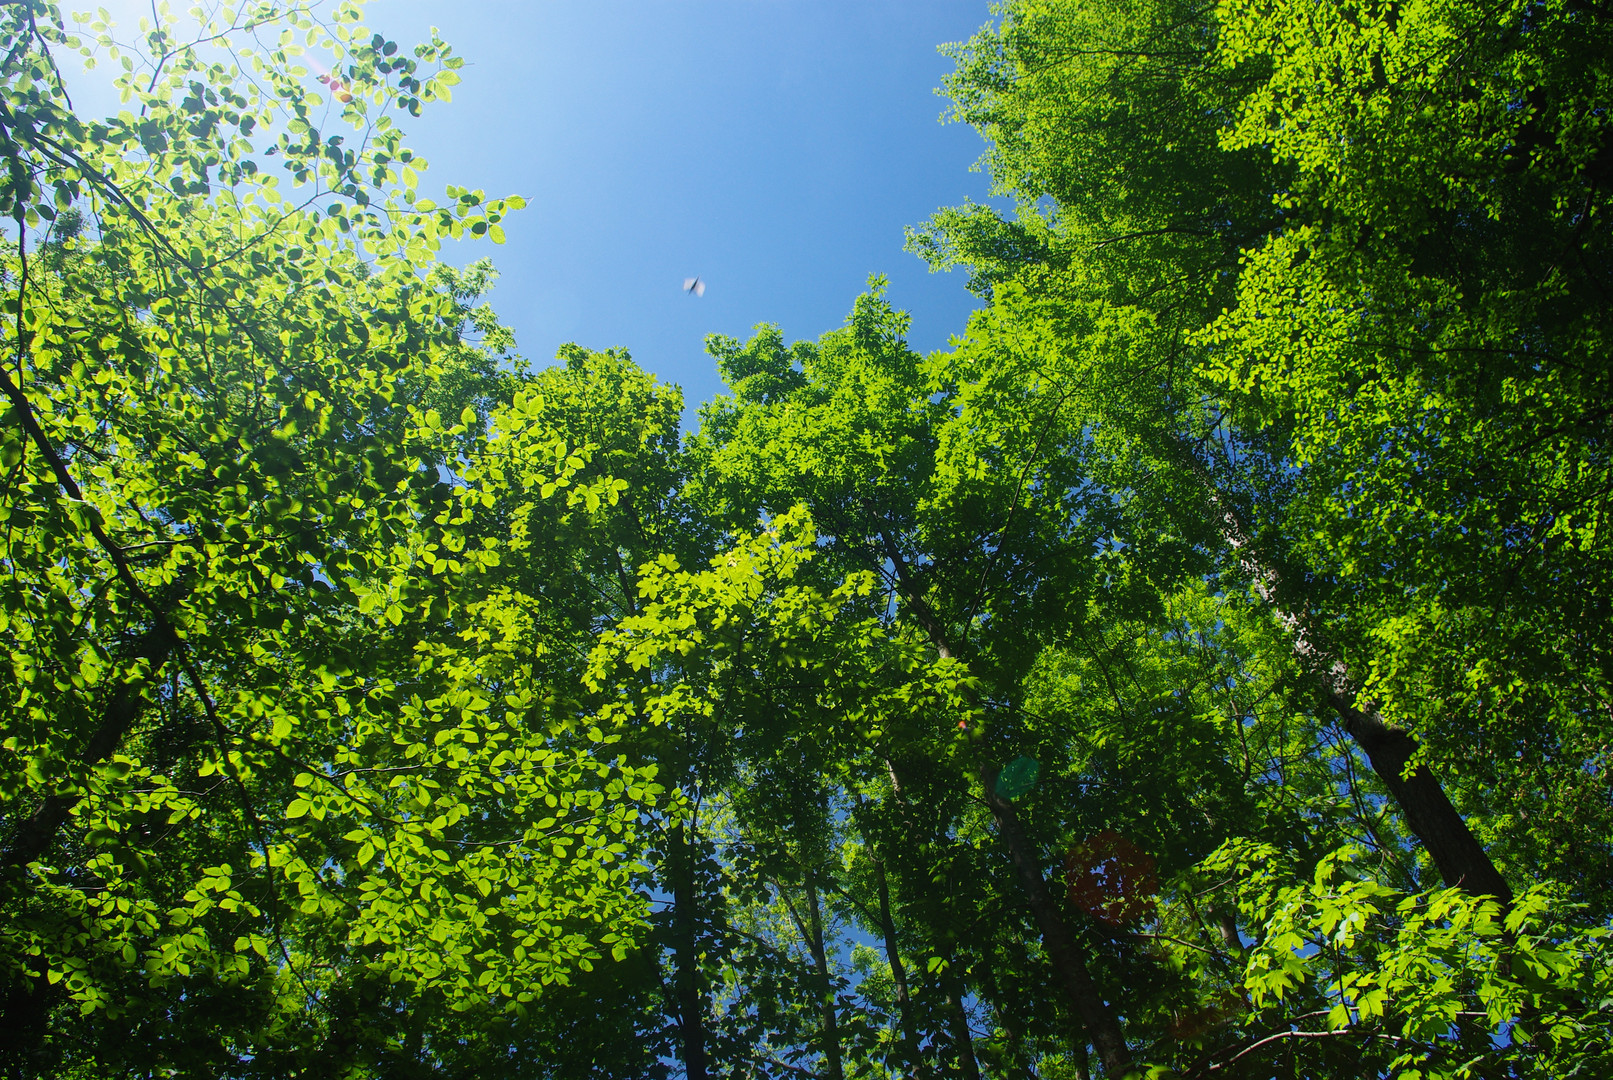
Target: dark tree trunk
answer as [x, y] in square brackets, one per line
[963, 1043]
[1082, 992]
[686, 982]
[125, 701]
[35, 835]
[1099, 1023]
[826, 990]
[1227, 925]
[921, 1066]
[1086, 1001]
[904, 1004]
[27, 999]
[1461, 859]
[1017, 1063]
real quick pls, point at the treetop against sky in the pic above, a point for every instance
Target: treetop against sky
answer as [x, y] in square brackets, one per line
[776, 149]
[1198, 667]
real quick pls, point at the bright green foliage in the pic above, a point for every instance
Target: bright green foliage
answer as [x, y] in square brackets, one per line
[1415, 985]
[1147, 713]
[1346, 256]
[285, 773]
[767, 686]
[1323, 288]
[1441, 373]
[378, 706]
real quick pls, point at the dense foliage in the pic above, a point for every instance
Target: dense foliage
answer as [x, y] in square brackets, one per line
[1201, 669]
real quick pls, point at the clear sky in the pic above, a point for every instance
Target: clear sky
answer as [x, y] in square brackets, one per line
[775, 148]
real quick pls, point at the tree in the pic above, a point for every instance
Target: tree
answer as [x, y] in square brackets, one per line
[1255, 265]
[995, 547]
[1193, 671]
[286, 787]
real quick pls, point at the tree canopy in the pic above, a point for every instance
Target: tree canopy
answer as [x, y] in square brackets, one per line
[1200, 668]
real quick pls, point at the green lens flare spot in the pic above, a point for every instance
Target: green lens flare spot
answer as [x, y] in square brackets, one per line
[1018, 777]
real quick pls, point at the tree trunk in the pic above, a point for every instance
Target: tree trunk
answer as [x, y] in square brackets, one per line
[1227, 925]
[126, 700]
[826, 991]
[1084, 997]
[963, 1043]
[1017, 1065]
[904, 1004]
[686, 984]
[1081, 993]
[1461, 859]
[35, 834]
[1085, 1000]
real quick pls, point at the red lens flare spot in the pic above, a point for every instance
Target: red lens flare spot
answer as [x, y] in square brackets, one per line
[1111, 878]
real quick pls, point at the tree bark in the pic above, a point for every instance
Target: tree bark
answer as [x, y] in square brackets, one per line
[1461, 859]
[826, 992]
[1017, 1065]
[914, 1042]
[904, 1004]
[963, 1043]
[1227, 925]
[1081, 993]
[686, 984]
[1087, 1001]
[125, 702]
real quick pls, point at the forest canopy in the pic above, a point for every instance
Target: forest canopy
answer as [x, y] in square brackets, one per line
[1201, 668]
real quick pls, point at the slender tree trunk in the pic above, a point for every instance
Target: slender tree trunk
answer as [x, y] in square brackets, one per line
[1461, 859]
[36, 833]
[904, 1004]
[963, 1043]
[1082, 992]
[686, 982]
[826, 992]
[27, 1000]
[921, 1066]
[887, 928]
[1086, 1001]
[1228, 927]
[124, 703]
[1006, 1015]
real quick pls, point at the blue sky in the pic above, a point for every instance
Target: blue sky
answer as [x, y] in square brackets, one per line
[775, 148]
